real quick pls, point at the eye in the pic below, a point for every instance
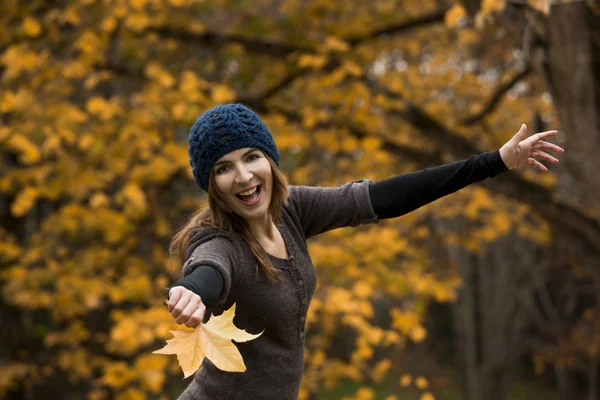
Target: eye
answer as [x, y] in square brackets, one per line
[253, 157]
[222, 169]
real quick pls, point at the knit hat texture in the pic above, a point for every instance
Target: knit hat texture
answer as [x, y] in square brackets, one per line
[223, 129]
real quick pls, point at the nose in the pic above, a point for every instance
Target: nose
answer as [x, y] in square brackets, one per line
[243, 175]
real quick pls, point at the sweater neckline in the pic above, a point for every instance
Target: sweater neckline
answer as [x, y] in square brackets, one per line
[288, 244]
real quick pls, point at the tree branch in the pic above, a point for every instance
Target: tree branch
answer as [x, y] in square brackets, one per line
[497, 95]
[258, 45]
[434, 17]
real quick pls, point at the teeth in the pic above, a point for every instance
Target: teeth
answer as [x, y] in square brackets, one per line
[248, 192]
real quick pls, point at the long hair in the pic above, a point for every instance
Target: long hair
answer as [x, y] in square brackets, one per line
[218, 215]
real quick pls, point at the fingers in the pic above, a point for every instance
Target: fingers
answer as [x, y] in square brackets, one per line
[196, 318]
[180, 306]
[174, 298]
[539, 136]
[541, 145]
[521, 134]
[189, 310]
[544, 156]
[536, 164]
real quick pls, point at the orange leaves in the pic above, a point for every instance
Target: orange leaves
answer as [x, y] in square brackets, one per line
[158, 73]
[104, 110]
[455, 15]
[19, 101]
[31, 27]
[28, 152]
[12, 374]
[335, 44]
[89, 42]
[212, 340]
[312, 61]
[134, 201]
[223, 94]
[24, 201]
[19, 58]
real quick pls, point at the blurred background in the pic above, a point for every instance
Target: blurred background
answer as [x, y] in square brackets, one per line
[490, 293]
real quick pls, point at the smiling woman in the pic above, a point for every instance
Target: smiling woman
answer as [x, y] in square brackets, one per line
[248, 246]
[244, 176]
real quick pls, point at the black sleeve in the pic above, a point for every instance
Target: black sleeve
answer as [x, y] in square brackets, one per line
[402, 194]
[206, 281]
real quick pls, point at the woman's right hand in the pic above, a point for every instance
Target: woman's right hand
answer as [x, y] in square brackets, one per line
[185, 306]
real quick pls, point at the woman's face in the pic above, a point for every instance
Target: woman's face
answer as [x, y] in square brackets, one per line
[245, 179]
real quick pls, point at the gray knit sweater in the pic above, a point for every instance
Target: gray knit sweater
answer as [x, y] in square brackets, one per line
[275, 360]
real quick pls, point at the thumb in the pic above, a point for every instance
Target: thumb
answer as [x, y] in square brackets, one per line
[522, 134]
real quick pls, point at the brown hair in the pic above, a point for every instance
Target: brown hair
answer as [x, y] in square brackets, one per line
[217, 214]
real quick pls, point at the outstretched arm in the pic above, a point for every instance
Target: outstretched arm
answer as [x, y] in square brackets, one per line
[404, 193]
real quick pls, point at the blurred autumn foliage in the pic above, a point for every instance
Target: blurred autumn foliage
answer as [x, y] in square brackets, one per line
[96, 101]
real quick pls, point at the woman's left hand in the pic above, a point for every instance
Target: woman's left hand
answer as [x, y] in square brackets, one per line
[522, 150]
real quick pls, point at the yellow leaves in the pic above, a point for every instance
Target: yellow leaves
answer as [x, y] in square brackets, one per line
[211, 340]
[223, 94]
[108, 24]
[480, 201]
[19, 58]
[363, 289]
[31, 27]
[117, 375]
[135, 200]
[352, 68]
[138, 328]
[488, 9]
[89, 43]
[335, 44]
[76, 333]
[178, 111]
[380, 370]
[405, 380]
[370, 143]
[312, 61]
[10, 250]
[138, 4]
[12, 374]
[455, 15]
[137, 21]
[179, 3]
[418, 334]
[21, 101]
[131, 394]
[365, 393]
[74, 69]
[28, 152]
[104, 110]
[405, 321]
[159, 74]
[69, 16]
[318, 358]
[151, 371]
[421, 383]
[159, 169]
[77, 362]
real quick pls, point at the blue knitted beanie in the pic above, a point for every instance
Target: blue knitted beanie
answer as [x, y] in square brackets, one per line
[221, 130]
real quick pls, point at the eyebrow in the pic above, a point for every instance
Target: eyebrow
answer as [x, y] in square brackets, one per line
[226, 161]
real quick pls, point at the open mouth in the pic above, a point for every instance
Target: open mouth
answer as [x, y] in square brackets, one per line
[251, 196]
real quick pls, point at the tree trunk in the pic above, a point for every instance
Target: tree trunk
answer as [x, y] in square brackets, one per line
[465, 325]
[572, 66]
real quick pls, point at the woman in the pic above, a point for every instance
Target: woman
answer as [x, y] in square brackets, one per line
[249, 245]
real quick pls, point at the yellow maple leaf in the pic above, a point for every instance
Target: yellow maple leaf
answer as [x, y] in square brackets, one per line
[211, 340]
